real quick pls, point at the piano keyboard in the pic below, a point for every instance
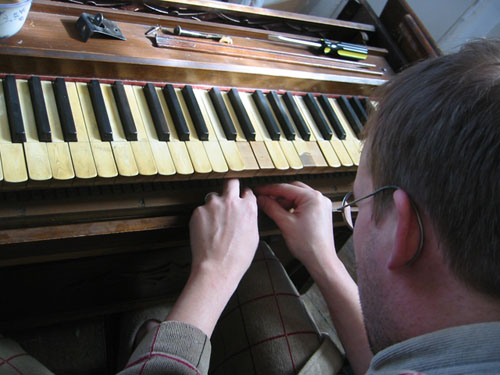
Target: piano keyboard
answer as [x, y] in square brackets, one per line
[59, 130]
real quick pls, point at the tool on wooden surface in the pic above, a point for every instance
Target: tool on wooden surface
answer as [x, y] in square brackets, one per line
[177, 30]
[88, 24]
[328, 47]
[198, 34]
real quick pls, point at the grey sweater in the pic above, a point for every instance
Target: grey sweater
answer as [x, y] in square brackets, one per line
[470, 349]
[178, 348]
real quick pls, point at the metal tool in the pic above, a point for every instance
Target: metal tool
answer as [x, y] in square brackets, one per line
[88, 24]
[196, 34]
[327, 47]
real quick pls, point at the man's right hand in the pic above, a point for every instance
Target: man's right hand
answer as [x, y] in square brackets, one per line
[304, 217]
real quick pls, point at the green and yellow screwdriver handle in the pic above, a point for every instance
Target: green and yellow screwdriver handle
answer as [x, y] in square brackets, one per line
[328, 47]
[346, 50]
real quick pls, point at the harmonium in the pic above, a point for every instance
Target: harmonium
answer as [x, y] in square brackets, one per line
[117, 117]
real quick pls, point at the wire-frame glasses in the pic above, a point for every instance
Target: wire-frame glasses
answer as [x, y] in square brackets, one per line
[349, 205]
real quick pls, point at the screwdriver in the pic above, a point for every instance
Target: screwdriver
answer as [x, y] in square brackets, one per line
[327, 47]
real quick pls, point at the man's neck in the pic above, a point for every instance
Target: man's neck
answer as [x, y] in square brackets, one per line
[446, 302]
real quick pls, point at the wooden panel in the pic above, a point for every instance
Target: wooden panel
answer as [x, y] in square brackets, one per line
[407, 30]
[55, 49]
[51, 292]
[274, 15]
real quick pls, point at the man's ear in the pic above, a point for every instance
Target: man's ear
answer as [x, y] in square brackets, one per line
[407, 235]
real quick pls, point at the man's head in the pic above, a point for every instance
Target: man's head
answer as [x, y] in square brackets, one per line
[436, 134]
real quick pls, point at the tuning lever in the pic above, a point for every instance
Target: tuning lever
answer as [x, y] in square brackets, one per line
[196, 34]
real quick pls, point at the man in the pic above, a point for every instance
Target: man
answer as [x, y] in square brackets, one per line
[436, 136]
[426, 236]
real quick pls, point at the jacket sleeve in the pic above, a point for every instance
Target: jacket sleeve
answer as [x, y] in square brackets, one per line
[174, 348]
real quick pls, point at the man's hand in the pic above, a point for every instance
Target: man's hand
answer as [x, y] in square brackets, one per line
[224, 238]
[304, 217]
[224, 233]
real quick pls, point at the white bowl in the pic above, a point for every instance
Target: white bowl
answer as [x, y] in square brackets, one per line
[12, 17]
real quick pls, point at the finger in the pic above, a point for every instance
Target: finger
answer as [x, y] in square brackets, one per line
[209, 196]
[286, 204]
[273, 209]
[285, 191]
[302, 185]
[247, 193]
[231, 188]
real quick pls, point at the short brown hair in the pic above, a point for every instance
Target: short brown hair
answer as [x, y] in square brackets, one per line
[436, 133]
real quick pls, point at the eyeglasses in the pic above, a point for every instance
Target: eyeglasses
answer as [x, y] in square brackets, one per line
[347, 214]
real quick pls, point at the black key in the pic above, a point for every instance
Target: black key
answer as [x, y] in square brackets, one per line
[297, 116]
[267, 116]
[176, 112]
[101, 115]
[64, 111]
[359, 108]
[350, 115]
[319, 119]
[156, 113]
[224, 118]
[39, 109]
[332, 116]
[281, 115]
[124, 111]
[16, 125]
[195, 113]
[241, 113]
